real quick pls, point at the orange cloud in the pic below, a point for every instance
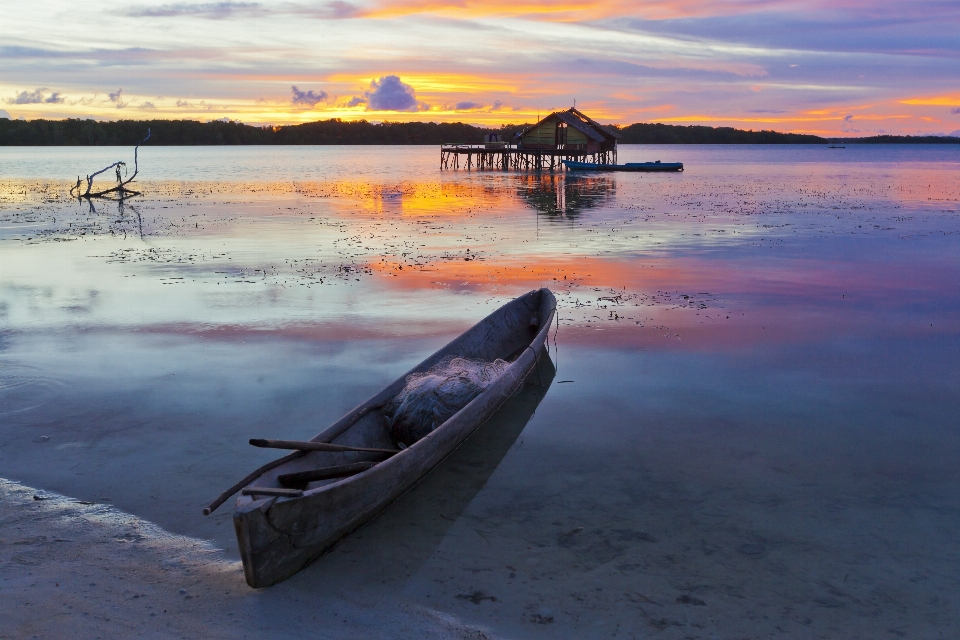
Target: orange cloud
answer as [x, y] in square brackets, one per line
[946, 100]
[571, 11]
[556, 10]
[447, 82]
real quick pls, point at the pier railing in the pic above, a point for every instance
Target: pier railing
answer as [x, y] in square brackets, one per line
[464, 146]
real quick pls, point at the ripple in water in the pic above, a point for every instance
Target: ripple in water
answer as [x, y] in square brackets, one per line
[23, 389]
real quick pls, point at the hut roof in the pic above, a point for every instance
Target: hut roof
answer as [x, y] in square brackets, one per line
[580, 126]
[588, 127]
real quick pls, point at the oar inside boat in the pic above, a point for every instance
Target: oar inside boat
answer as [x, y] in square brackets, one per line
[314, 446]
[301, 479]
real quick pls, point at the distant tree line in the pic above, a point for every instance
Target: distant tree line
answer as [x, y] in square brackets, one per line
[336, 131]
[642, 133]
[899, 140]
[191, 132]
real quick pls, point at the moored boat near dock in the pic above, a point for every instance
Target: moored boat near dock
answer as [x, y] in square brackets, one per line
[573, 165]
[299, 507]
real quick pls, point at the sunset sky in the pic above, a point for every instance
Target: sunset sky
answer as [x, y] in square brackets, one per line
[841, 67]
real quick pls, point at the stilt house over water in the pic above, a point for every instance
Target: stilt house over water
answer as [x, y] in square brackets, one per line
[562, 135]
[569, 131]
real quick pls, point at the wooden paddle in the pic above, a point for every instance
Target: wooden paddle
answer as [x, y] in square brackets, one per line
[314, 446]
[271, 491]
[299, 479]
[342, 425]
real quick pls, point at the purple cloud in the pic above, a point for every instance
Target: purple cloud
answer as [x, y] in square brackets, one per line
[307, 98]
[389, 93]
[847, 126]
[212, 10]
[336, 10]
[341, 10]
[838, 28]
[36, 97]
[117, 97]
[955, 111]
[467, 106]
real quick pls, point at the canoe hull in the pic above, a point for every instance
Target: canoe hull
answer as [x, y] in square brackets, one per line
[278, 537]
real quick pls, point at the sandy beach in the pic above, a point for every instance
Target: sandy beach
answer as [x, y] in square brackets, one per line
[80, 570]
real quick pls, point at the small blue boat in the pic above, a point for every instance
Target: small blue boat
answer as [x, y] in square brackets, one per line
[573, 165]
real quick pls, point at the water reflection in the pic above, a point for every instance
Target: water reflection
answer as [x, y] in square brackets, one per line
[418, 522]
[564, 195]
[742, 330]
[121, 223]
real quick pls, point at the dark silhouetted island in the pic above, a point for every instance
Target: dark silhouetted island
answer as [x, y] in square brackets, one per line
[76, 132]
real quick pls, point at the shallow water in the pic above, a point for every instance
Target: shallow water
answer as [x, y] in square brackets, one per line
[756, 392]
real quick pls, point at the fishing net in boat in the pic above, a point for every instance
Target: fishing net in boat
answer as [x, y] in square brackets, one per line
[430, 398]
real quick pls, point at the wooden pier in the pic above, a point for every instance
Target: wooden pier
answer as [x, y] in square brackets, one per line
[562, 135]
[506, 157]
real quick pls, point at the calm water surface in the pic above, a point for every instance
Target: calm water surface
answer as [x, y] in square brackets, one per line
[751, 431]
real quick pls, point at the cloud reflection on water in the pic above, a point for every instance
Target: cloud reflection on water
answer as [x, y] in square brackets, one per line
[789, 249]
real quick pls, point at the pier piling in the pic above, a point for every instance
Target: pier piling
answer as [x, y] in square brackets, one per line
[510, 157]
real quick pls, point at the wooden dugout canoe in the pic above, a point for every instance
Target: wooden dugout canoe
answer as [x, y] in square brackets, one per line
[279, 536]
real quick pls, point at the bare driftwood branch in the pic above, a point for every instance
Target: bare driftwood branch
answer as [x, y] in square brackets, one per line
[121, 186]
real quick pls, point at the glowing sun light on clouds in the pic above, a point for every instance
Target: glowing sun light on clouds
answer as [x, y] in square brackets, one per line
[749, 64]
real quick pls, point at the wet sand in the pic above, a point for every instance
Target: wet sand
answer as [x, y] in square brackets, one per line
[690, 542]
[87, 571]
